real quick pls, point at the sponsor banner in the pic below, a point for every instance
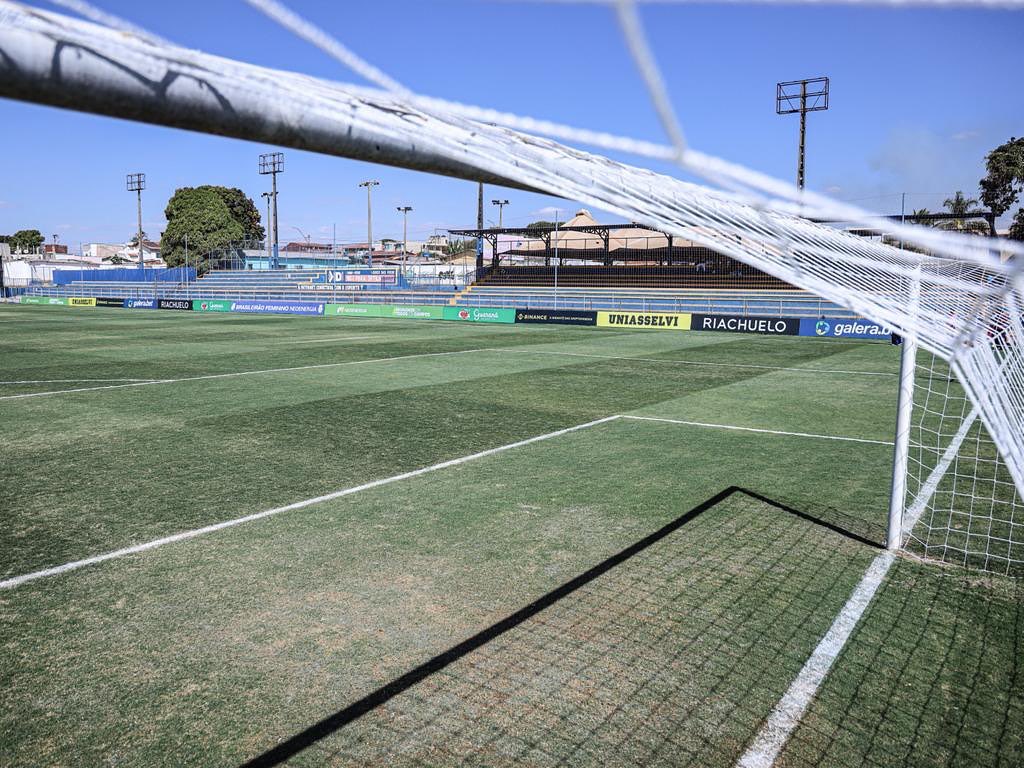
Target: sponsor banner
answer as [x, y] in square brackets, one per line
[666, 321]
[174, 304]
[479, 314]
[81, 301]
[836, 328]
[359, 277]
[140, 303]
[211, 305]
[25, 299]
[775, 326]
[105, 302]
[353, 310]
[412, 312]
[277, 307]
[558, 316]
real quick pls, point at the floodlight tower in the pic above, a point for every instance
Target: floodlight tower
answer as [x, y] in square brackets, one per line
[501, 207]
[404, 210]
[270, 236]
[271, 164]
[801, 96]
[369, 184]
[137, 183]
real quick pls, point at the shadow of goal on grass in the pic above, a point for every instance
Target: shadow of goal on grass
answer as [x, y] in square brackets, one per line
[680, 644]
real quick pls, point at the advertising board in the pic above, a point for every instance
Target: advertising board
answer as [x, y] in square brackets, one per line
[836, 328]
[479, 314]
[557, 316]
[665, 321]
[774, 326]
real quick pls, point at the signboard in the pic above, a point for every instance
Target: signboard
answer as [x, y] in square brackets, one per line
[211, 305]
[81, 301]
[174, 304]
[479, 314]
[666, 321]
[25, 299]
[353, 310]
[277, 307]
[359, 277]
[413, 312]
[557, 316]
[105, 302]
[140, 303]
[834, 328]
[775, 326]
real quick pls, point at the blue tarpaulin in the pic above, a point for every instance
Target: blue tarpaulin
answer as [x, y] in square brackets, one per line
[124, 275]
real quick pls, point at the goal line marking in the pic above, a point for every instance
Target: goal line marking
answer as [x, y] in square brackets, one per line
[755, 429]
[150, 382]
[699, 362]
[184, 535]
[788, 713]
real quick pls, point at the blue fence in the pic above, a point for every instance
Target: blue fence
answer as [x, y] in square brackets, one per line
[125, 275]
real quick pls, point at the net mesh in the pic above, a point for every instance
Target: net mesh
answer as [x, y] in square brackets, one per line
[958, 296]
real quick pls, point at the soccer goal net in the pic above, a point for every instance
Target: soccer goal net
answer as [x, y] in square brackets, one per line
[956, 299]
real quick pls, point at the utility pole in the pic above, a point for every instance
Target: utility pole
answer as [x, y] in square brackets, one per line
[557, 211]
[270, 236]
[480, 225]
[137, 183]
[369, 184]
[271, 164]
[501, 207]
[404, 210]
[801, 97]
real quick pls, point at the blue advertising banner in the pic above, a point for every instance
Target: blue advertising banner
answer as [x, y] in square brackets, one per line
[140, 303]
[278, 307]
[835, 328]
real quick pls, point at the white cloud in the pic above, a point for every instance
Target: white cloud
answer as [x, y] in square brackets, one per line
[833, 189]
[964, 135]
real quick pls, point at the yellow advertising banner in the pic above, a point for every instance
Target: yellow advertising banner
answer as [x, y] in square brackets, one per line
[668, 321]
[81, 301]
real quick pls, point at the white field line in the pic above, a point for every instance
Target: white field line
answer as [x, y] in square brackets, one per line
[787, 714]
[184, 535]
[241, 373]
[69, 381]
[700, 362]
[765, 431]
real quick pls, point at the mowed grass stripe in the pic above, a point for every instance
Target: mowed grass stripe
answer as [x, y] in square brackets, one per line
[103, 478]
[210, 652]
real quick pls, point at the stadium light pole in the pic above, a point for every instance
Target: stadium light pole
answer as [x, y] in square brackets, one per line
[557, 211]
[269, 236]
[271, 164]
[404, 210]
[137, 183]
[801, 97]
[501, 207]
[369, 184]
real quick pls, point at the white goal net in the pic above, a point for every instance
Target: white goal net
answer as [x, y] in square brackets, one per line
[957, 298]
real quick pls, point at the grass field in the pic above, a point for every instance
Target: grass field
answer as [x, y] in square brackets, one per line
[612, 591]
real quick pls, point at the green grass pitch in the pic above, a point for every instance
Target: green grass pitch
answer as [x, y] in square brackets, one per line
[635, 592]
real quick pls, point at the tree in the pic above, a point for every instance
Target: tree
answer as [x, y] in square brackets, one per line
[26, 240]
[541, 225]
[201, 215]
[919, 217]
[135, 238]
[959, 205]
[242, 209]
[1004, 182]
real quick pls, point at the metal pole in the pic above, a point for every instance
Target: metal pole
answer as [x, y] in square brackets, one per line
[480, 226]
[556, 258]
[187, 294]
[369, 226]
[273, 195]
[901, 446]
[141, 262]
[803, 134]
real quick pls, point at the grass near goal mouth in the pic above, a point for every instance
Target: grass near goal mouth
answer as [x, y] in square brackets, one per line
[636, 591]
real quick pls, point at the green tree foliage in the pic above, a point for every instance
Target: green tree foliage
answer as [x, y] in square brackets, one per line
[243, 210]
[541, 225]
[135, 237]
[919, 217]
[960, 205]
[201, 214]
[1004, 182]
[26, 240]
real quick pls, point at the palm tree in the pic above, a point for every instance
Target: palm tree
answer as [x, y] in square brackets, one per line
[963, 206]
[918, 216]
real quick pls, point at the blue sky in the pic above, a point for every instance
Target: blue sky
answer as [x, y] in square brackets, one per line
[918, 97]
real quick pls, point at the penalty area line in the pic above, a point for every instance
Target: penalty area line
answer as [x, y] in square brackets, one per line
[788, 713]
[185, 535]
[763, 431]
